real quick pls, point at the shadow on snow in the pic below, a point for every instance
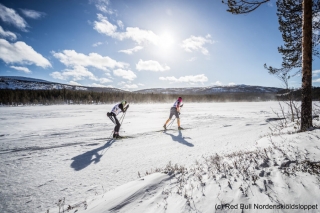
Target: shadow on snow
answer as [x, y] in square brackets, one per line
[83, 160]
[180, 139]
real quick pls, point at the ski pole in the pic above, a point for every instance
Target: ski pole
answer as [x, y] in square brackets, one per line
[110, 134]
[124, 114]
[121, 117]
[171, 123]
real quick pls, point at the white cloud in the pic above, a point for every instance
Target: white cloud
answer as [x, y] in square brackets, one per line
[71, 58]
[57, 75]
[140, 36]
[23, 69]
[130, 51]
[10, 16]
[99, 85]
[32, 13]
[217, 83]
[315, 72]
[103, 26]
[231, 84]
[151, 66]
[186, 79]
[103, 6]
[97, 44]
[126, 74]
[21, 53]
[7, 34]
[120, 24]
[192, 59]
[141, 84]
[104, 80]
[197, 44]
[74, 83]
[316, 80]
[77, 73]
[130, 86]
[109, 75]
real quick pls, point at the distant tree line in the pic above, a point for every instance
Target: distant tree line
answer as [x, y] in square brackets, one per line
[63, 96]
[296, 95]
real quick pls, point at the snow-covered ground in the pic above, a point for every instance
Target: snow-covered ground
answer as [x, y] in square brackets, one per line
[48, 153]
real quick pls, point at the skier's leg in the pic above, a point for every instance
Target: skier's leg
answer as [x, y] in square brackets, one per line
[178, 119]
[117, 127]
[110, 116]
[165, 125]
[114, 132]
[170, 116]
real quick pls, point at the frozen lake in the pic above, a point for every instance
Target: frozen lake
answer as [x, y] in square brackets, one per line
[51, 152]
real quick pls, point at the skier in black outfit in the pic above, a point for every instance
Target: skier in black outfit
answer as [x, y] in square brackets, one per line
[118, 108]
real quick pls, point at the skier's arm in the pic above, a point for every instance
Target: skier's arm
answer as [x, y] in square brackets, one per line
[126, 107]
[178, 107]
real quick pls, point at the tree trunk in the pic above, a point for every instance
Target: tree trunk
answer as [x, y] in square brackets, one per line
[306, 103]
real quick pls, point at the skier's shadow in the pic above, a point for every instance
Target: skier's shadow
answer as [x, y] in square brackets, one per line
[180, 139]
[83, 160]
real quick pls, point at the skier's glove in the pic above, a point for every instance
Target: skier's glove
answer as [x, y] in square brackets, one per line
[127, 108]
[179, 113]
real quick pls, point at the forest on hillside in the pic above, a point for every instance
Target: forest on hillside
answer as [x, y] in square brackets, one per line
[63, 96]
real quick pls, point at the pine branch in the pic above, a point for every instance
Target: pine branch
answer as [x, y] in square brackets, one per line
[243, 6]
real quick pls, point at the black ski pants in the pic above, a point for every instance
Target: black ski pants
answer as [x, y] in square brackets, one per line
[114, 119]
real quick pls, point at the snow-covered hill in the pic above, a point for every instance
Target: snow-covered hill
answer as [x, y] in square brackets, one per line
[213, 90]
[17, 82]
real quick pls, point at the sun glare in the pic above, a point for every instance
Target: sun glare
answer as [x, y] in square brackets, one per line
[166, 41]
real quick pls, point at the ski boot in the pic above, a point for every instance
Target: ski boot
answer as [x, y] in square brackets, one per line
[119, 137]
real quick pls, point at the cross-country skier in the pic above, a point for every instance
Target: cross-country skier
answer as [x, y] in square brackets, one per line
[118, 108]
[175, 110]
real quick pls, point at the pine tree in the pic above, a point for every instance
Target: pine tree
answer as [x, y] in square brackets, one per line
[295, 19]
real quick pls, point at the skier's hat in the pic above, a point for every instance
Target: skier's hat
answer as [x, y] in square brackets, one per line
[179, 99]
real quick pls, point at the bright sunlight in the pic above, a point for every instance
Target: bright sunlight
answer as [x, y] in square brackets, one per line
[166, 41]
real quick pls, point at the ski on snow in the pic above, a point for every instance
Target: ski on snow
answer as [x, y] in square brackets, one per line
[164, 130]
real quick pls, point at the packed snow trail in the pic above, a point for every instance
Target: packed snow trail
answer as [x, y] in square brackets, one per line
[51, 152]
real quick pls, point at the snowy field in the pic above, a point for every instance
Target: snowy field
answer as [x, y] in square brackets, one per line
[49, 153]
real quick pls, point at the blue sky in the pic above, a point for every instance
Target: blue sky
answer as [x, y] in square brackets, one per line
[140, 44]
